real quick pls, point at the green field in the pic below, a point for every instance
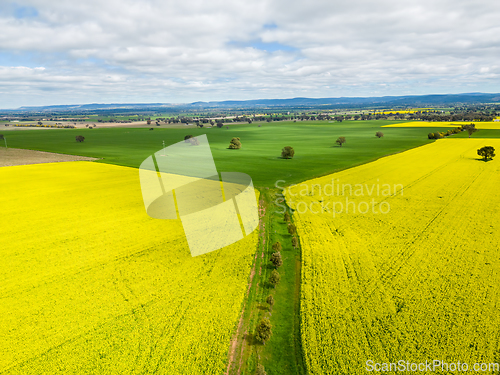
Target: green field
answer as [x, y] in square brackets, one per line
[314, 143]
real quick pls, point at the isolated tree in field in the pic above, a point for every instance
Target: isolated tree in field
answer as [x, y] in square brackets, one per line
[379, 134]
[186, 138]
[471, 128]
[275, 278]
[235, 144]
[260, 370]
[220, 124]
[270, 301]
[277, 246]
[287, 216]
[292, 229]
[340, 141]
[194, 141]
[80, 138]
[287, 152]
[487, 152]
[276, 259]
[295, 242]
[148, 122]
[264, 330]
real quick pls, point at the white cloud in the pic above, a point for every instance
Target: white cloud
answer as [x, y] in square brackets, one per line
[171, 51]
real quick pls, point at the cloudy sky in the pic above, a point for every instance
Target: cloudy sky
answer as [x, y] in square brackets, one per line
[109, 51]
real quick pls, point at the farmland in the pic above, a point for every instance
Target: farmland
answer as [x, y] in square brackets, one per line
[419, 282]
[91, 284]
[85, 270]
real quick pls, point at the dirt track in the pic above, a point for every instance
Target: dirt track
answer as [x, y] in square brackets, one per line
[15, 156]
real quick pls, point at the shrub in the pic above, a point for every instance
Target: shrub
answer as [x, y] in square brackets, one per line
[263, 330]
[80, 138]
[287, 216]
[295, 242]
[379, 134]
[186, 138]
[276, 259]
[277, 246]
[288, 152]
[270, 301]
[260, 370]
[235, 144]
[292, 229]
[340, 141]
[275, 278]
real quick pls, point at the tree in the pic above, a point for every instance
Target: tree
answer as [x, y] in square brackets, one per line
[270, 301]
[260, 370]
[287, 216]
[277, 246]
[379, 134]
[80, 138]
[39, 123]
[194, 141]
[186, 138]
[287, 152]
[264, 330]
[340, 141]
[276, 259]
[1, 137]
[487, 152]
[471, 128]
[292, 229]
[148, 122]
[235, 144]
[295, 242]
[220, 124]
[275, 278]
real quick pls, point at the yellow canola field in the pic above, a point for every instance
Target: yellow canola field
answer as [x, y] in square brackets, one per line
[89, 284]
[445, 124]
[416, 277]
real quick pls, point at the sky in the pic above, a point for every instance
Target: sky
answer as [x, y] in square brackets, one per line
[165, 51]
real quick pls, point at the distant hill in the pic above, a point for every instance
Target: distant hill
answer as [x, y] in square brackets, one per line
[393, 101]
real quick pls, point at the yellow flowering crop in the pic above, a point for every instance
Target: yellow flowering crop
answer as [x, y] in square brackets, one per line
[445, 124]
[418, 277]
[90, 284]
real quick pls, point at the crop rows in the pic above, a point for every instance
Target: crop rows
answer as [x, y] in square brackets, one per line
[90, 284]
[420, 282]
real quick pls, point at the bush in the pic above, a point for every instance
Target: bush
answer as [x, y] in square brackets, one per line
[235, 144]
[263, 330]
[292, 229]
[340, 141]
[151, 128]
[186, 138]
[276, 259]
[80, 138]
[260, 370]
[277, 246]
[275, 278]
[270, 301]
[379, 134]
[288, 152]
[295, 242]
[287, 216]
[1, 137]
